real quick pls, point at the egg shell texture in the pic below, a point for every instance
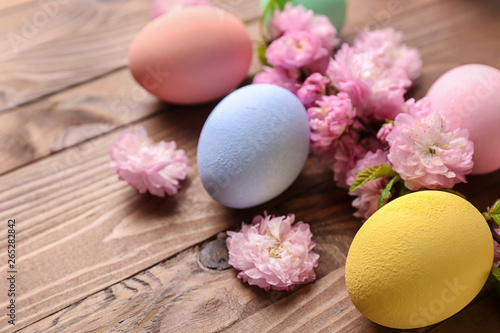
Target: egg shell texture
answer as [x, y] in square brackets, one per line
[253, 145]
[192, 55]
[419, 260]
[470, 94]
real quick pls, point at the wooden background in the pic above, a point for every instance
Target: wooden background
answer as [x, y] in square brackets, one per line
[94, 256]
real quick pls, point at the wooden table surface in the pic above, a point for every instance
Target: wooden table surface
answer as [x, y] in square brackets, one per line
[95, 256]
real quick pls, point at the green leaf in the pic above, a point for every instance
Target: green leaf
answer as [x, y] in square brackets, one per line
[271, 5]
[496, 273]
[495, 212]
[449, 190]
[370, 173]
[496, 207]
[261, 51]
[386, 193]
[404, 191]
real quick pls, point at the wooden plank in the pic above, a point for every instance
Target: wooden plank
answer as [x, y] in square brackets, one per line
[482, 316]
[208, 300]
[77, 114]
[81, 230]
[46, 50]
[216, 301]
[435, 28]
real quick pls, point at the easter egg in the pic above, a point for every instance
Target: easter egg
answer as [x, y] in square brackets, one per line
[469, 94]
[335, 10]
[419, 260]
[253, 145]
[192, 55]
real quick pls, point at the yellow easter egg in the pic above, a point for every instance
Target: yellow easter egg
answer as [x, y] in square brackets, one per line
[419, 260]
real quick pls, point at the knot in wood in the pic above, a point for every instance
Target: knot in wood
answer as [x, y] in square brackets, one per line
[214, 255]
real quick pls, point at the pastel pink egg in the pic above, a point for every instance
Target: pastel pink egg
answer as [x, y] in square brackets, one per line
[470, 95]
[192, 55]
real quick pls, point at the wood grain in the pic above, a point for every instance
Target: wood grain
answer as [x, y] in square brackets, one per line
[216, 301]
[90, 246]
[78, 114]
[81, 230]
[49, 48]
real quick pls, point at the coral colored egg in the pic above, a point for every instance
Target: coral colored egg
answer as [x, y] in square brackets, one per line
[253, 145]
[335, 10]
[419, 260]
[192, 55]
[469, 94]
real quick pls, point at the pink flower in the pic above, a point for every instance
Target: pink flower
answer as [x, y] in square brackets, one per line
[347, 154]
[421, 109]
[273, 254]
[427, 151]
[376, 91]
[295, 49]
[286, 78]
[146, 166]
[162, 7]
[330, 119]
[314, 88]
[299, 19]
[384, 132]
[368, 195]
[391, 52]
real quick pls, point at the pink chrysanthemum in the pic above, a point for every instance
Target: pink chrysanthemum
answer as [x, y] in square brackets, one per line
[427, 151]
[376, 91]
[146, 166]
[295, 49]
[162, 7]
[330, 119]
[314, 88]
[273, 254]
[286, 78]
[298, 18]
[348, 152]
[368, 195]
[386, 43]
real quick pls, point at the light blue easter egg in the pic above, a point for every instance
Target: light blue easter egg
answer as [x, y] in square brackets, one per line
[335, 10]
[253, 145]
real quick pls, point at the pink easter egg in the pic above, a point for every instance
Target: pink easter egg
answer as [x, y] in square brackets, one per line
[192, 55]
[470, 96]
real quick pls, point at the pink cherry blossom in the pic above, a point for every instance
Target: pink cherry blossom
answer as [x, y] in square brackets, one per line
[347, 153]
[429, 152]
[286, 78]
[314, 88]
[146, 166]
[295, 49]
[162, 7]
[384, 132]
[377, 92]
[273, 254]
[298, 18]
[386, 43]
[422, 108]
[367, 196]
[330, 119]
